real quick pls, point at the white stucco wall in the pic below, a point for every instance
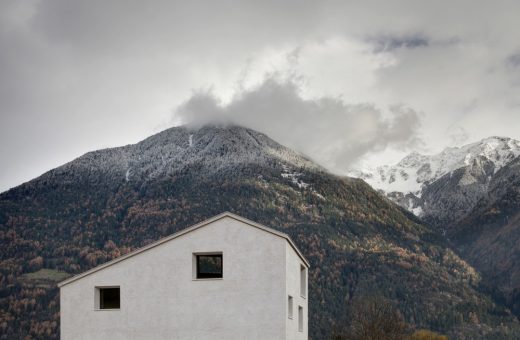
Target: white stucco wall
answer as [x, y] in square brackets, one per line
[293, 263]
[160, 299]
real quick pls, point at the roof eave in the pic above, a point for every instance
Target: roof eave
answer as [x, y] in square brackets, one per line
[180, 233]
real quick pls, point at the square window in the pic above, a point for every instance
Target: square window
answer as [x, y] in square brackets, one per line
[109, 298]
[209, 266]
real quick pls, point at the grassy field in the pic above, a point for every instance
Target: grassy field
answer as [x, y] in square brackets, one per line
[44, 277]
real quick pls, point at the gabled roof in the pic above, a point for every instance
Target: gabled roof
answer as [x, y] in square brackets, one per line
[180, 233]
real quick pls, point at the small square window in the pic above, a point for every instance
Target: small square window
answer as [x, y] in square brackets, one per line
[109, 298]
[209, 266]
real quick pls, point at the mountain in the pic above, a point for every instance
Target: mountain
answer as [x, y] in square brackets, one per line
[109, 202]
[489, 237]
[472, 195]
[443, 188]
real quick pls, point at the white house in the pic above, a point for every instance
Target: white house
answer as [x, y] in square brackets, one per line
[225, 278]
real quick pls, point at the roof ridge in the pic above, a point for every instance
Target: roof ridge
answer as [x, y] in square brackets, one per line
[180, 233]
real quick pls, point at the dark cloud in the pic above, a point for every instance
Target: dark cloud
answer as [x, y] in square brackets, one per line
[327, 129]
[514, 60]
[386, 43]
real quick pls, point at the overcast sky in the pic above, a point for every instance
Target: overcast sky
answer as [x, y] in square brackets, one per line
[346, 82]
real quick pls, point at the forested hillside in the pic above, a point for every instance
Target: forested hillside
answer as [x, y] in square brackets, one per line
[109, 202]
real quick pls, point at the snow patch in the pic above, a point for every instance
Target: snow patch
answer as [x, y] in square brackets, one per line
[410, 204]
[418, 211]
[294, 177]
[467, 159]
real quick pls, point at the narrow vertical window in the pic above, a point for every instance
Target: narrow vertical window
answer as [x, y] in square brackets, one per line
[300, 318]
[303, 281]
[290, 306]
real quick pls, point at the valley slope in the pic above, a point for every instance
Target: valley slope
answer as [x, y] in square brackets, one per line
[489, 237]
[471, 195]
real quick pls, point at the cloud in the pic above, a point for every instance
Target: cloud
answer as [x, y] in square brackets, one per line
[458, 136]
[79, 75]
[514, 60]
[386, 43]
[327, 129]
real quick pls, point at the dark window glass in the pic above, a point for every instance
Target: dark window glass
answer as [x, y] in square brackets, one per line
[209, 266]
[109, 298]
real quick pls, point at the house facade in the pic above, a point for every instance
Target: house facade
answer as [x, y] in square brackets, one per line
[225, 278]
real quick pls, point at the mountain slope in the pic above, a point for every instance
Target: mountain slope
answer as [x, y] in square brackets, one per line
[490, 236]
[443, 188]
[472, 195]
[111, 201]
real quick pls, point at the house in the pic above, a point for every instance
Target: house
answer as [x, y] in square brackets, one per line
[225, 278]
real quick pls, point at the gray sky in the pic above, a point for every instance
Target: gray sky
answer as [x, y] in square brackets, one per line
[346, 82]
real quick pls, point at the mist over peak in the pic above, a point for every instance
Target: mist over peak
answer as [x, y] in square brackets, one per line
[328, 129]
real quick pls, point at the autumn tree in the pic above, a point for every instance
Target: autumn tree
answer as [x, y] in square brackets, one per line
[372, 318]
[424, 334]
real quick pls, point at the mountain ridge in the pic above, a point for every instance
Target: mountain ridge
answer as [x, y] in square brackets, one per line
[489, 237]
[415, 181]
[475, 203]
[182, 149]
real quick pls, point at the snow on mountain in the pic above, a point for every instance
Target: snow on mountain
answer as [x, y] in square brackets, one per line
[294, 177]
[416, 170]
[415, 173]
[210, 149]
[110, 201]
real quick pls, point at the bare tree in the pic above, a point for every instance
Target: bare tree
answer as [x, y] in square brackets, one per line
[372, 318]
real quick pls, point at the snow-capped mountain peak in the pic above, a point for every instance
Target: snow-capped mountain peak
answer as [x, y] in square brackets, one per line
[415, 181]
[413, 171]
[210, 149]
